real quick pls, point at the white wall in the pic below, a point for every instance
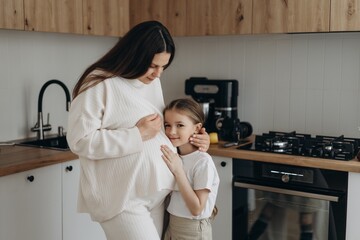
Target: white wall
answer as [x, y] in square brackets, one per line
[304, 82]
[27, 61]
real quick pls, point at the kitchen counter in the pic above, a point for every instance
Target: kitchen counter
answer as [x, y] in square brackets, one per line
[14, 159]
[232, 152]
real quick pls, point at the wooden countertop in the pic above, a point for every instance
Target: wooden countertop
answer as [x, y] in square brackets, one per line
[14, 159]
[232, 152]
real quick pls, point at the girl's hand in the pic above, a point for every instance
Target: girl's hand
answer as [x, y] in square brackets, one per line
[201, 140]
[172, 160]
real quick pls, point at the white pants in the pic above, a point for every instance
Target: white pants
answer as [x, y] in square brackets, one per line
[142, 219]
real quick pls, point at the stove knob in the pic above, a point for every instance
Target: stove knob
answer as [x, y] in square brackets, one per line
[285, 178]
[332, 154]
[307, 151]
[318, 153]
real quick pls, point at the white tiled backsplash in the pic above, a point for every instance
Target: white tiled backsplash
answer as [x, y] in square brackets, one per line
[304, 82]
[309, 83]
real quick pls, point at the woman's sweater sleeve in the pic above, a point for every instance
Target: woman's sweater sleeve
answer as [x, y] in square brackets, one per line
[91, 136]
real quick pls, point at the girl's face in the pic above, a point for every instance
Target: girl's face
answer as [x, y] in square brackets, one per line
[159, 61]
[179, 127]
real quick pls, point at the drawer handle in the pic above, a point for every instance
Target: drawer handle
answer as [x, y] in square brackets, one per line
[287, 191]
[69, 168]
[30, 178]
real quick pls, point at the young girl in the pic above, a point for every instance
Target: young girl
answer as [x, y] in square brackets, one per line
[193, 201]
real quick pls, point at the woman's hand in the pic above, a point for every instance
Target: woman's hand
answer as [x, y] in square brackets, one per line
[201, 140]
[149, 126]
[172, 160]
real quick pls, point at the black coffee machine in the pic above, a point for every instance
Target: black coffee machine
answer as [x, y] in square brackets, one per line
[218, 99]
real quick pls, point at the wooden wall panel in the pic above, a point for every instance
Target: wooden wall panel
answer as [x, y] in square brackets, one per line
[53, 16]
[170, 13]
[230, 17]
[176, 17]
[283, 16]
[106, 17]
[12, 14]
[345, 15]
[196, 18]
[198, 14]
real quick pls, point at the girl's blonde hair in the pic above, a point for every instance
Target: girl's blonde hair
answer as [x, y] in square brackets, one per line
[189, 107]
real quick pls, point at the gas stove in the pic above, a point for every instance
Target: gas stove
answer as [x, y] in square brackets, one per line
[339, 148]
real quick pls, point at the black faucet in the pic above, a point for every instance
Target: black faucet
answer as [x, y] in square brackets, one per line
[39, 126]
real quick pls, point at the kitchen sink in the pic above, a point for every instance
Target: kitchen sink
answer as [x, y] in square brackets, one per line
[56, 143]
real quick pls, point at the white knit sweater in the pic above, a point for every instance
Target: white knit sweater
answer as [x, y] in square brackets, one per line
[116, 165]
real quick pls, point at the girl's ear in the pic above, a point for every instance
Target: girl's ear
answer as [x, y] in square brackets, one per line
[198, 127]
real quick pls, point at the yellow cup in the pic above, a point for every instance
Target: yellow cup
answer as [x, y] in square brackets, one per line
[213, 137]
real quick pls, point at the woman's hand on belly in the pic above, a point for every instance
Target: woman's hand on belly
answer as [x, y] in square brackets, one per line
[149, 126]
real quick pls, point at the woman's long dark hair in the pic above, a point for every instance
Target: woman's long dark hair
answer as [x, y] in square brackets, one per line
[131, 57]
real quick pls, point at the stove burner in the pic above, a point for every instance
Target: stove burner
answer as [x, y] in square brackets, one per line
[293, 143]
[277, 143]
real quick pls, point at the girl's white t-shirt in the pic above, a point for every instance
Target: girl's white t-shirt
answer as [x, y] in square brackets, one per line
[202, 174]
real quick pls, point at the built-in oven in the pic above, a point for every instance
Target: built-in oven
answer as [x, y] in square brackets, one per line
[283, 202]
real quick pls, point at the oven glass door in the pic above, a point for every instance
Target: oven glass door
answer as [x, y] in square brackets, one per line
[270, 213]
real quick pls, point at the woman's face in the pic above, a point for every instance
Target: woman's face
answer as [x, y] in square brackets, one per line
[158, 63]
[179, 127]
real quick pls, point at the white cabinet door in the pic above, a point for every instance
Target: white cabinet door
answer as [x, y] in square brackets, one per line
[76, 226]
[223, 221]
[30, 205]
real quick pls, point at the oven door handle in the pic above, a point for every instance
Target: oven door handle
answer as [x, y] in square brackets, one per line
[287, 191]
